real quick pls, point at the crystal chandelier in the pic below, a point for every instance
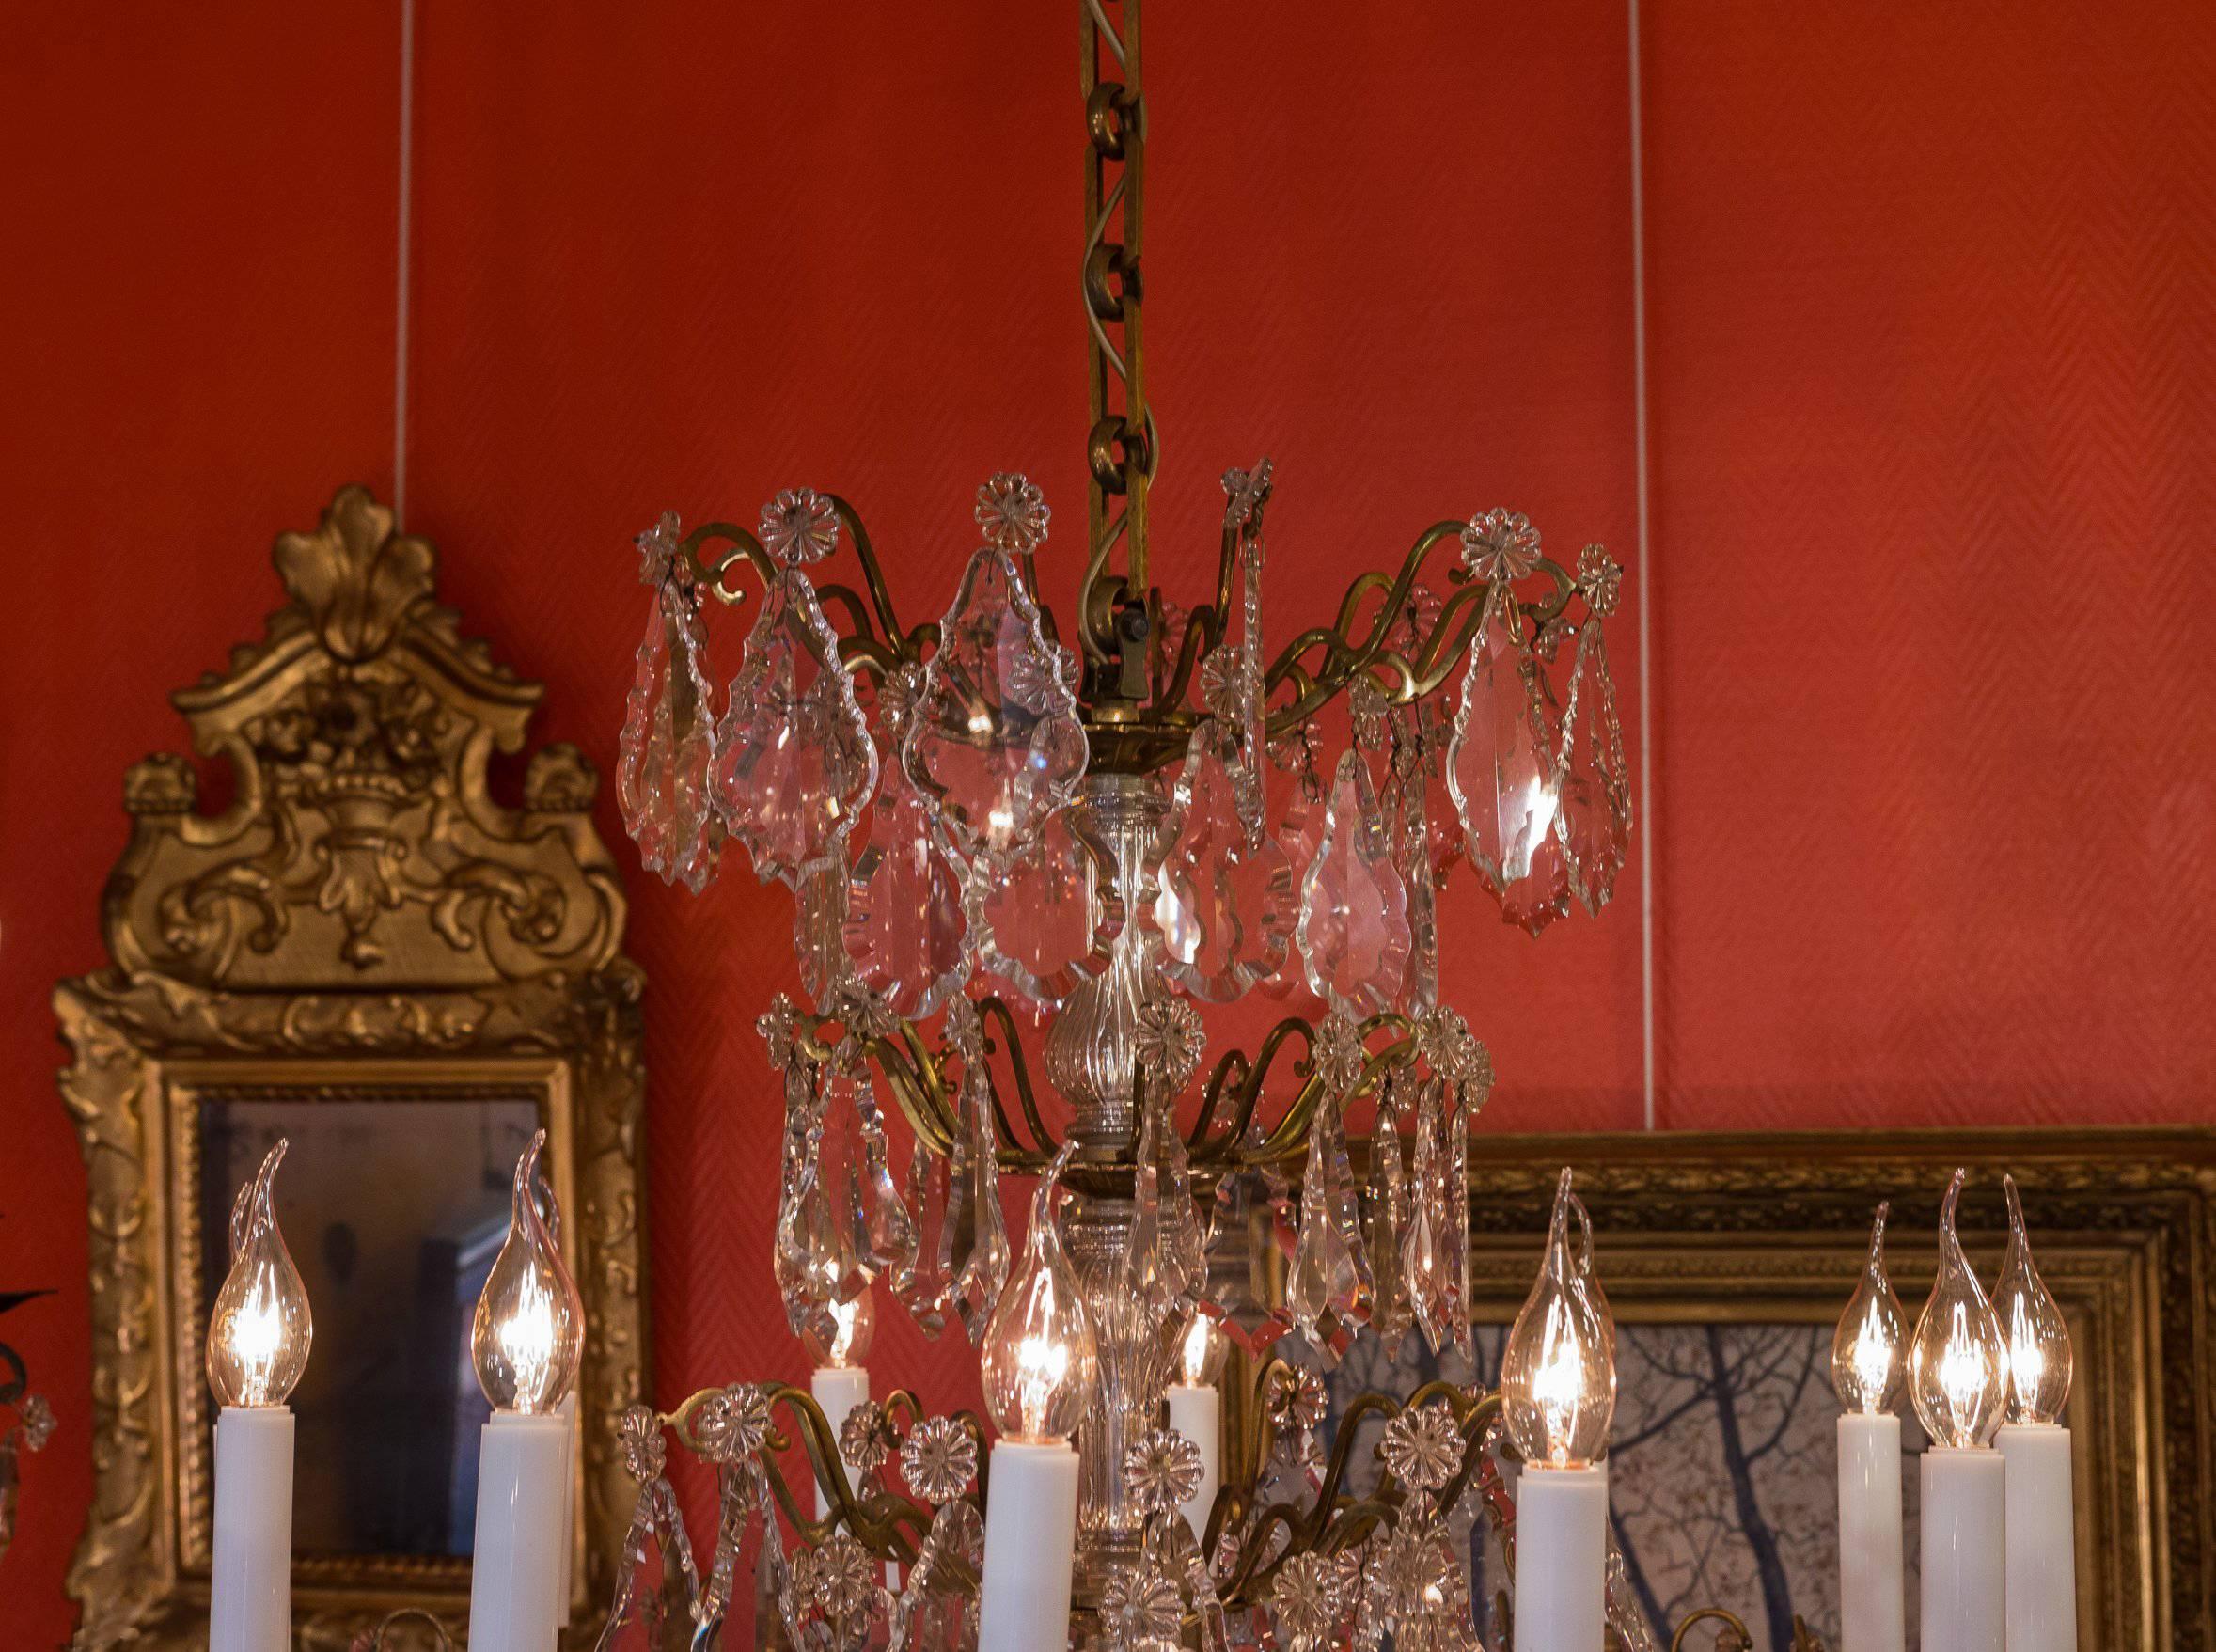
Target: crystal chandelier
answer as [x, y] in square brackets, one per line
[1110, 817]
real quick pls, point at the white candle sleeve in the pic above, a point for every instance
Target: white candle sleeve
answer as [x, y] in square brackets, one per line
[1561, 1558]
[2042, 1558]
[1964, 1517]
[515, 1567]
[1030, 1543]
[838, 1388]
[1195, 1412]
[565, 1585]
[250, 1584]
[1872, 1605]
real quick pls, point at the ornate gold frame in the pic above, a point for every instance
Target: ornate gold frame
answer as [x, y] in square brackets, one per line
[1774, 1228]
[364, 919]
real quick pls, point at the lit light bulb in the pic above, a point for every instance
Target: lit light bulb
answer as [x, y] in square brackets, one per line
[259, 1332]
[1039, 1357]
[838, 1335]
[1956, 1361]
[1200, 1355]
[529, 1333]
[1869, 1351]
[2037, 1338]
[1557, 1372]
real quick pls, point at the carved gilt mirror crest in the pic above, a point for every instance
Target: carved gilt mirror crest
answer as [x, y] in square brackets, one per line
[363, 950]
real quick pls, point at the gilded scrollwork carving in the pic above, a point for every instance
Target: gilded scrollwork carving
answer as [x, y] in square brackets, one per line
[362, 906]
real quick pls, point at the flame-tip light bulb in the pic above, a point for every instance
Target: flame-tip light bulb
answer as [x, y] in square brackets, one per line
[838, 1336]
[1956, 1361]
[1869, 1351]
[2037, 1337]
[1869, 1365]
[1957, 1377]
[1558, 1391]
[529, 1333]
[258, 1342]
[525, 1342]
[1039, 1364]
[1558, 1373]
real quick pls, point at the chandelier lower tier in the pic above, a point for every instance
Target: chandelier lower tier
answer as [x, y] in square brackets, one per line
[1109, 818]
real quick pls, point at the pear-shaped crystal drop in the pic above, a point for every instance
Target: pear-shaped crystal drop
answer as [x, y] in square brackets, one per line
[1325, 1290]
[1225, 909]
[1501, 766]
[1245, 1226]
[1050, 913]
[1354, 907]
[995, 738]
[817, 1262]
[974, 1248]
[667, 743]
[1869, 1351]
[1595, 782]
[924, 1286]
[1426, 1250]
[794, 758]
[656, 1579]
[906, 930]
[1958, 1357]
[2038, 1338]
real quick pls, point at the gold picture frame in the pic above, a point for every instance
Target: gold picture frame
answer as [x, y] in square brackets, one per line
[363, 922]
[1773, 1228]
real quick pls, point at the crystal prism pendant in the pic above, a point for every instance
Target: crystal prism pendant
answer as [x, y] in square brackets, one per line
[905, 931]
[1354, 907]
[1298, 830]
[974, 1254]
[1595, 785]
[1326, 1289]
[1386, 1202]
[1049, 915]
[1425, 1260]
[1245, 1228]
[817, 1263]
[924, 1286]
[1501, 765]
[1225, 909]
[884, 1236]
[995, 737]
[795, 764]
[667, 743]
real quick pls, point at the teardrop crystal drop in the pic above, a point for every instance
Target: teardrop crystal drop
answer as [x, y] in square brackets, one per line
[1500, 767]
[795, 764]
[883, 1233]
[1958, 1358]
[1225, 910]
[1353, 907]
[1299, 828]
[1050, 913]
[2038, 1338]
[667, 743]
[1595, 783]
[995, 738]
[1869, 1351]
[906, 930]
[1386, 1214]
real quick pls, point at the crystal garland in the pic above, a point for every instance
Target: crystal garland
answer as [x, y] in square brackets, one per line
[1114, 900]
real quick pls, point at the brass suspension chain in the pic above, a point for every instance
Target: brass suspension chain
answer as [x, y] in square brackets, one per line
[1121, 449]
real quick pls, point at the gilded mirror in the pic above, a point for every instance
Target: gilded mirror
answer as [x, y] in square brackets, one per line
[366, 952]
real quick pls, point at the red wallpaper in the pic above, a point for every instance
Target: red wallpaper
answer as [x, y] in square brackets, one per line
[1932, 403]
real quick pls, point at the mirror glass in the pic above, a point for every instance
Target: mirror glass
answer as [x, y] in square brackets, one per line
[393, 1210]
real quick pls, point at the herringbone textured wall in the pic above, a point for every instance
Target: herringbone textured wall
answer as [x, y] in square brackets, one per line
[1932, 402]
